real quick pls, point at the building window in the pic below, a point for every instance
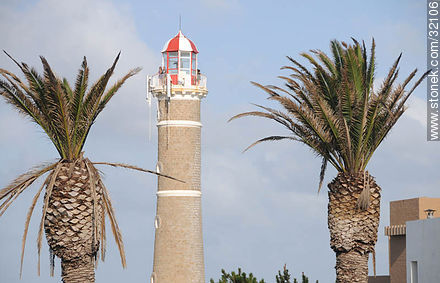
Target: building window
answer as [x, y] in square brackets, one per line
[414, 272]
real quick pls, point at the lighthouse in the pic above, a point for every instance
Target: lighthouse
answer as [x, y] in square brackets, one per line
[178, 87]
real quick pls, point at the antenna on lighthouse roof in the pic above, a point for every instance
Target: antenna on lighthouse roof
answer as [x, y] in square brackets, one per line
[180, 22]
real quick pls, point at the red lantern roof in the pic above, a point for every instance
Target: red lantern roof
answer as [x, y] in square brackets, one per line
[180, 43]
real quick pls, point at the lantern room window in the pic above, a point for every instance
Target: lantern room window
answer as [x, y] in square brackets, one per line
[193, 64]
[165, 61]
[173, 61]
[185, 58]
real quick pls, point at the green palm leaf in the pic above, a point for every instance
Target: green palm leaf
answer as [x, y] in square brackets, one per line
[64, 114]
[332, 106]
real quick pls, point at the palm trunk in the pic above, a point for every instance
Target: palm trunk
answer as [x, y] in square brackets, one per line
[78, 271]
[351, 266]
[353, 230]
[73, 220]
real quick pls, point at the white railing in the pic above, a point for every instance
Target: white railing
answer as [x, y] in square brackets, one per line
[201, 81]
[158, 82]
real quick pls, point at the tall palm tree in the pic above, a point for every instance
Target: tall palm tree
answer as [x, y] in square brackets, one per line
[334, 110]
[75, 200]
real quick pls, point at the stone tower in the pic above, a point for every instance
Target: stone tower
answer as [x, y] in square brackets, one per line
[179, 87]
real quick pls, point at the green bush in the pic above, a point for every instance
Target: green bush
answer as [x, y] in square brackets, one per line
[242, 277]
[285, 277]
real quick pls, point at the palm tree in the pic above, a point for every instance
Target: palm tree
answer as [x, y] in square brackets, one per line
[75, 200]
[334, 110]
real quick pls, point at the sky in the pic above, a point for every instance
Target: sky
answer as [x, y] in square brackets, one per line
[261, 209]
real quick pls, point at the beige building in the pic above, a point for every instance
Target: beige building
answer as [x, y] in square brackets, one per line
[402, 211]
[179, 87]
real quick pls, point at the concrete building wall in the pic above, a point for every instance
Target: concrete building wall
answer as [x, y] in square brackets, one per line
[429, 203]
[422, 247]
[397, 259]
[400, 212]
[379, 279]
[404, 210]
[178, 246]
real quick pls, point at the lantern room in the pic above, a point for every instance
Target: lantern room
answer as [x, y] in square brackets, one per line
[179, 60]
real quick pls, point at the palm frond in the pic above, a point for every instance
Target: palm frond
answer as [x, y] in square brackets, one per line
[332, 107]
[27, 178]
[14, 96]
[270, 138]
[322, 173]
[28, 219]
[128, 166]
[113, 223]
[112, 91]
[60, 105]
[93, 176]
[252, 113]
[78, 97]
[103, 239]
[64, 114]
[15, 195]
[49, 189]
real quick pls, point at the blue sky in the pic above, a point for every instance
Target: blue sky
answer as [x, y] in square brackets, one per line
[261, 209]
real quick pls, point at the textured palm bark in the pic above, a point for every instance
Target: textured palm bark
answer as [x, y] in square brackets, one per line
[78, 271]
[71, 230]
[351, 266]
[353, 232]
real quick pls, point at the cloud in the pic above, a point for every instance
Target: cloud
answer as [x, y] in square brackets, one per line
[66, 32]
[417, 109]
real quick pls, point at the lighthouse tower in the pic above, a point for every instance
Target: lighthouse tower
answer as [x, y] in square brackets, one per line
[179, 87]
